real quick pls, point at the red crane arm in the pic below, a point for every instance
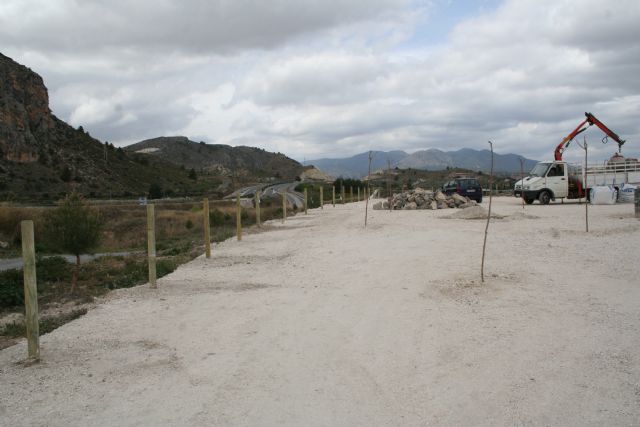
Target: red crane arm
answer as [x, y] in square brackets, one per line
[593, 121]
[567, 139]
[590, 120]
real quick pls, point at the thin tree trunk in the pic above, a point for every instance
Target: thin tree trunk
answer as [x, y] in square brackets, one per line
[486, 229]
[366, 206]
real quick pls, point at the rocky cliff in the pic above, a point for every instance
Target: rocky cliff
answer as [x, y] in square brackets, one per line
[25, 118]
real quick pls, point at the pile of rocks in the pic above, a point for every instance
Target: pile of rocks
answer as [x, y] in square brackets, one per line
[423, 199]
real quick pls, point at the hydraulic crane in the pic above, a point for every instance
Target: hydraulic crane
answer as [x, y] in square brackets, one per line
[589, 121]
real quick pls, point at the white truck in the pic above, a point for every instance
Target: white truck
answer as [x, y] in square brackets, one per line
[560, 180]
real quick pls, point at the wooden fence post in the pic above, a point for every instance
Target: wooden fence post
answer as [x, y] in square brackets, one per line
[30, 290]
[305, 201]
[358, 193]
[284, 206]
[151, 244]
[257, 201]
[321, 197]
[350, 194]
[333, 190]
[207, 228]
[238, 218]
[342, 193]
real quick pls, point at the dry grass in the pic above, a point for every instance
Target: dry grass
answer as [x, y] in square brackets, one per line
[124, 225]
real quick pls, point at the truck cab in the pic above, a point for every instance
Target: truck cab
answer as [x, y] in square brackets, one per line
[547, 181]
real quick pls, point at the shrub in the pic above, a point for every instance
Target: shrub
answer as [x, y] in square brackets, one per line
[51, 269]
[155, 191]
[216, 217]
[11, 288]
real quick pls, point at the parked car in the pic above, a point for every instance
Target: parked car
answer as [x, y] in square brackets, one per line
[468, 187]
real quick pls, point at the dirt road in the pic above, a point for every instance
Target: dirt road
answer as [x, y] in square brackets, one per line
[321, 322]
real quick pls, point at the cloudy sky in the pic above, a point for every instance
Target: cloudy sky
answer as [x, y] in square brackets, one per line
[332, 78]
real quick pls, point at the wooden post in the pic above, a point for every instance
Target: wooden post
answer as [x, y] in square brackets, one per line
[257, 200]
[637, 202]
[284, 206]
[238, 218]
[305, 201]
[207, 228]
[358, 193]
[321, 197]
[151, 244]
[351, 194]
[30, 290]
[333, 189]
[342, 194]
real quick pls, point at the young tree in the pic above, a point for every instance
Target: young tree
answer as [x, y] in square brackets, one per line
[155, 191]
[73, 227]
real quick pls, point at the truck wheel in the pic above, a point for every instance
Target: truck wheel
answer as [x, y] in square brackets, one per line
[544, 197]
[528, 201]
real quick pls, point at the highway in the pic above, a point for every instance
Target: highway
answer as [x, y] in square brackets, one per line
[294, 198]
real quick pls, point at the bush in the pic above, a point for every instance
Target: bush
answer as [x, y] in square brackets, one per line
[155, 191]
[52, 269]
[48, 270]
[11, 288]
[216, 217]
[164, 267]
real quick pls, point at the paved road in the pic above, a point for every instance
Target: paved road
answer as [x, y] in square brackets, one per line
[293, 197]
[9, 263]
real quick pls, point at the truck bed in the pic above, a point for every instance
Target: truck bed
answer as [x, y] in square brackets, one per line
[608, 174]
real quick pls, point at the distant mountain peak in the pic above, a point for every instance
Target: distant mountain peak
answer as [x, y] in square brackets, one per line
[428, 159]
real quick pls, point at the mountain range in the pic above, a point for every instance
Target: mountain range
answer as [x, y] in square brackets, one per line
[431, 159]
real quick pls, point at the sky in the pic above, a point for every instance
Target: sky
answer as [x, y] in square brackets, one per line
[334, 78]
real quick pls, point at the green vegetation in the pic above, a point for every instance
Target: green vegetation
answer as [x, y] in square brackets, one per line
[48, 270]
[73, 227]
[46, 324]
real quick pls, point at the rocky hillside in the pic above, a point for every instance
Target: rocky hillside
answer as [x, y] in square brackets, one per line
[43, 158]
[224, 160]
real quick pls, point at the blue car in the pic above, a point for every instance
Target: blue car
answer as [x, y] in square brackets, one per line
[468, 187]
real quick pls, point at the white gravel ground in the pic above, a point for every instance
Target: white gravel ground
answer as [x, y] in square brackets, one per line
[323, 322]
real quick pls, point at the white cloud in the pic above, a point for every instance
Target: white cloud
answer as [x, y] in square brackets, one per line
[313, 79]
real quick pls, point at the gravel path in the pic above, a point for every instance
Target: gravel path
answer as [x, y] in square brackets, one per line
[321, 322]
